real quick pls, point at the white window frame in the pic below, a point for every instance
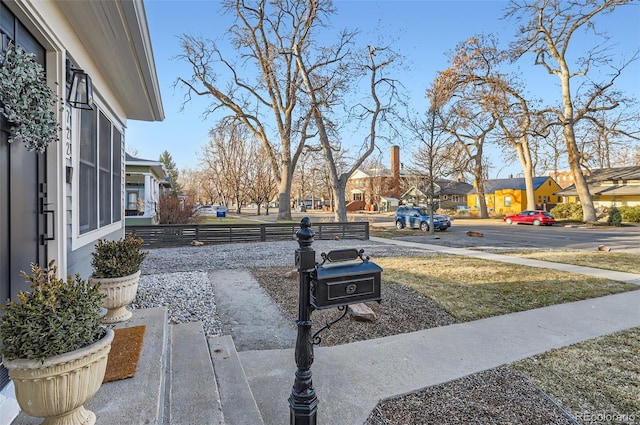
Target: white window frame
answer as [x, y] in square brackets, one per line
[78, 240]
[508, 202]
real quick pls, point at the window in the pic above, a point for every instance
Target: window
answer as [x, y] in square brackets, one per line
[100, 180]
[507, 201]
[132, 200]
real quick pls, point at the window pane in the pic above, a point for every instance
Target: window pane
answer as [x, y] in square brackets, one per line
[117, 175]
[105, 198]
[87, 186]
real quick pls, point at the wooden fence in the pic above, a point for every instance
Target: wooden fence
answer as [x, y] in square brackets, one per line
[172, 235]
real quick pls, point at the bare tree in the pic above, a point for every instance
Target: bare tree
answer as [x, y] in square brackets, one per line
[433, 156]
[327, 86]
[262, 89]
[260, 180]
[546, 29]
[476, 63]
[608, 132]
[549, 150]
[471, 122]
[227, 159]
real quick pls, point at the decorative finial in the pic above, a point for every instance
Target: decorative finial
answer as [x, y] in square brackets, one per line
[305, 234]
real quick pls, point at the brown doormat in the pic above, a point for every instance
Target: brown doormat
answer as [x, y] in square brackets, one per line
[125, 353]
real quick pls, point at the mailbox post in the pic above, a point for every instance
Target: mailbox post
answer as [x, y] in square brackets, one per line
[303, 403]
[324, 286]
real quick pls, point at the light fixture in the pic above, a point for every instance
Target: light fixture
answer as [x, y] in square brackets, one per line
[80, 92]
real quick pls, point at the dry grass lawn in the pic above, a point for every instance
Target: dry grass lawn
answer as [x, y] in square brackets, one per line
[470, 288]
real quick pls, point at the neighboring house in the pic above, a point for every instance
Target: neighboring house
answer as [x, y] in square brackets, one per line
[449, 194]
[376, 188]
[505, 196]
[145, 182]
[563, 178]
[608, 187]
[55, 205]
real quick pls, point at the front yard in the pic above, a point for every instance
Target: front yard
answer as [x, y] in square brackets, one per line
[598, 379]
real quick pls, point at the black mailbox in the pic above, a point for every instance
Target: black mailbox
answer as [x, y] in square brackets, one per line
[345, 283]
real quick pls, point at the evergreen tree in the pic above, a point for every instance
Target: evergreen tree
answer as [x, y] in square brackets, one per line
[615, 218]
[172, 170]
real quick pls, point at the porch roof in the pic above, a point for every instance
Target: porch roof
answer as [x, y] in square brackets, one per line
[603, 190]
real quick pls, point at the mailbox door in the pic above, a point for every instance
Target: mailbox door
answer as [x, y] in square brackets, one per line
[344, 284]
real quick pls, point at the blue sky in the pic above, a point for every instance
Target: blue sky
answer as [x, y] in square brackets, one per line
[423, 31]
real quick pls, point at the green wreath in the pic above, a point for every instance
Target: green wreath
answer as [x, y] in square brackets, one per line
[27, 100]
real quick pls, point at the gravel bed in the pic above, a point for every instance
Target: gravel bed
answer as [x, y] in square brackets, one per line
[188, 295]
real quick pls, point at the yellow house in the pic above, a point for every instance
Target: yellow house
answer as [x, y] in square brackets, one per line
[506, 196]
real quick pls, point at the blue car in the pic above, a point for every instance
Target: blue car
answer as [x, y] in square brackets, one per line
[418, 218]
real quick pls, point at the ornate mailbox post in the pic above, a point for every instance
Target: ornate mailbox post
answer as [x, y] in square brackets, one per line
[303, 402]
[334, 285]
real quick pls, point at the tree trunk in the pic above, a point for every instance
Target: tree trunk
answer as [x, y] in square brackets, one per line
[284, 195]
[524, 154]
[478, 174]
[588, 211]
[339, 201]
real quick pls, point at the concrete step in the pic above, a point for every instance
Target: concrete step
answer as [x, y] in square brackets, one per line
[238, 404]
[137, 400]
[193, 390]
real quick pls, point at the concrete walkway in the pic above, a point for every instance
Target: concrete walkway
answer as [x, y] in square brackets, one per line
[350, 379]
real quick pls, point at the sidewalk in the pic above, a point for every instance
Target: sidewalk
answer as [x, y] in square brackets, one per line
[350, 379]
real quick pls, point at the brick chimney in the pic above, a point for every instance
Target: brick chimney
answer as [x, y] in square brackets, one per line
[395, 171]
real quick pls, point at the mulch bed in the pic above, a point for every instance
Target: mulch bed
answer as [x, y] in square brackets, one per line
[498, 396]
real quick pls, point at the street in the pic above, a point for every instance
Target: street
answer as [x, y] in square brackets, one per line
[499, 234]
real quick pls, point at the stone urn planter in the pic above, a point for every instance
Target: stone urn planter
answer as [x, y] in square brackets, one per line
[118, 293]
[116, 269]
[57, 388]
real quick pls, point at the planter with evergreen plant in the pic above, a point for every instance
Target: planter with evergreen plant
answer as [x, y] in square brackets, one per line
[116, 267]
[54, 346]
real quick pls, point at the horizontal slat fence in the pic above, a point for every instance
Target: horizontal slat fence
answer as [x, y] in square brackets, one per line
[172, 235]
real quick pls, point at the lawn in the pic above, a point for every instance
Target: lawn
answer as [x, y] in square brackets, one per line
[470, 288]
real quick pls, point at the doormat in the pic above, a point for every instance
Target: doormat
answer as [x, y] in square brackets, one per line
[125, 353]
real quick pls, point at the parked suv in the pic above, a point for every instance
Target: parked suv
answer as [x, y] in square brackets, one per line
[418, 218]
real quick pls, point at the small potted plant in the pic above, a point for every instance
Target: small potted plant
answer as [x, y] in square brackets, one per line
[54, 346]
[116, 267]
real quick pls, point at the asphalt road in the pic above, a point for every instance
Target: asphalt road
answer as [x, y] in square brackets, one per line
[497, 233]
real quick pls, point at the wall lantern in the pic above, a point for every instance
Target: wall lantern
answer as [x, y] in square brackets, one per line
[80, 92]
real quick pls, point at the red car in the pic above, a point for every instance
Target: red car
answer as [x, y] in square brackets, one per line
[531, 217]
